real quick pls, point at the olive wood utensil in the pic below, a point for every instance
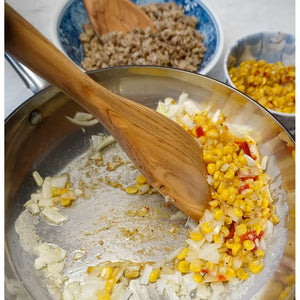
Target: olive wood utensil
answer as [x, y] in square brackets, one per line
[115, 15]
[164, 152]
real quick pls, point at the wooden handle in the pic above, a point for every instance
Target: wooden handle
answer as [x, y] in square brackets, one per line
[168, 156]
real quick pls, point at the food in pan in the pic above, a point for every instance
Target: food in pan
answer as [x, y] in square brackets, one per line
[271, 85]
[175, 43]
[227, 246]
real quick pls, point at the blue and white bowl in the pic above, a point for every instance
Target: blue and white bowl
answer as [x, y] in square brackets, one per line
[269, 46]
[72, 15]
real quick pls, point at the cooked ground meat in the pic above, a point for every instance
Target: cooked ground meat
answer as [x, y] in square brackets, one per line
[176, 42]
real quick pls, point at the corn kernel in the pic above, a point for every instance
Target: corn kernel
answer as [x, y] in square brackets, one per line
[218, 214]
[182, 253]
[242, 160]
[231, 199]
[132, 274]
[248, 245]
[256, 266]
[208, 157]
[196, 266]
[242, 274]
[265, 212]
[230, 273]
[238, 212]
[257, 229]
[213, 203]
[218, 152]
[65, 202]
[228, 150]
[216, 238]
[265, 202]
[183, 266]
[206, 228]
[55, 191]
[211, 168]
[109, 285]
[141, 179]
[131, 190]
[217, 175]
[274, 219]
[196, 236]
[212, 134]
[225, 194]
[154, 275]
[235, 248]
[221, 187]
[241, 229]
[229, 174]
[197, 277]
[106, 272]
[90, 269]
[259, 253]
[219, 164]
[225, 231]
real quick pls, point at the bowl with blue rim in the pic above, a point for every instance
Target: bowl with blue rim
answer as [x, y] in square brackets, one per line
[71, 16]
[272, 47]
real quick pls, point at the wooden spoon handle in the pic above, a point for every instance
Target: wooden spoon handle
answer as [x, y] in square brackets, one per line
[30, 47]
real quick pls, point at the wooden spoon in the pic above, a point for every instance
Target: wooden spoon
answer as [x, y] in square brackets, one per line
[115, 15]
[165, 153]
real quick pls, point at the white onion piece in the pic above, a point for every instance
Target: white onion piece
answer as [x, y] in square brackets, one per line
[54, 215]
[38, 178]
[144, 279]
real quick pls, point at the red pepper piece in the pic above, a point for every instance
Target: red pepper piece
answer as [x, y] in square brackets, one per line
[199, 132]
[204, 271]
[222, 278]
[249, 177]
[231, 231]
[242, 188]
[251, 235]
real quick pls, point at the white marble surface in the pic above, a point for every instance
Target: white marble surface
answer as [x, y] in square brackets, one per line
[237, 17]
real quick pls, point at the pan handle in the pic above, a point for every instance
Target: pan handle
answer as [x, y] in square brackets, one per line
[34, 82]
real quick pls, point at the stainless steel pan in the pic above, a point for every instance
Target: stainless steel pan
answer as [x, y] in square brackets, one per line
[39, 137]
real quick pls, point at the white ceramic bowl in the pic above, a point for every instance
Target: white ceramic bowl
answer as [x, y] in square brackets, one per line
[270, 46]
[71, 15]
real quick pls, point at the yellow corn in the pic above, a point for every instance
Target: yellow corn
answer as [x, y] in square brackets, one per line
[238, 212]
[208, 157]
[196, 266]
[197, 277]
[225, 194]
[228, 150]
[218, 214]
[230, 274]
[131, 190]
[235, 248]
[154, 275]
[209, 266]
[132, 274]
[211, 168]
[206, 228]
[274, 219]
[248, 245]
[65, 202]
[196, 236]
[182, 253]
[229, 174]
[242, 274]
[55, 191]
[141, 179]
[225, 231]
[265, 212]
[109, 285]
[256, 266]
[106, 272]
[90, 269]
[183, 266]
[259, 253]
[213, 203]
[241, 229]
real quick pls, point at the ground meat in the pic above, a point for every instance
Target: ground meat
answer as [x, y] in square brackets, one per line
[176, 42]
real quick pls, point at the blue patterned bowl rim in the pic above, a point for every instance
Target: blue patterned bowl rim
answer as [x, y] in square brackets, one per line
[208, 62]
[242, 40]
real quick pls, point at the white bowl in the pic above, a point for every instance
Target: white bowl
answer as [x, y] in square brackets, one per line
[269, 46]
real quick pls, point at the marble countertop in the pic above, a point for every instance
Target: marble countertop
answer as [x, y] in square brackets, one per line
[237, 17]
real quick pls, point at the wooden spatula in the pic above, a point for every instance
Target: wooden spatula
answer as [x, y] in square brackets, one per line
[164, 152]
[115, 15]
